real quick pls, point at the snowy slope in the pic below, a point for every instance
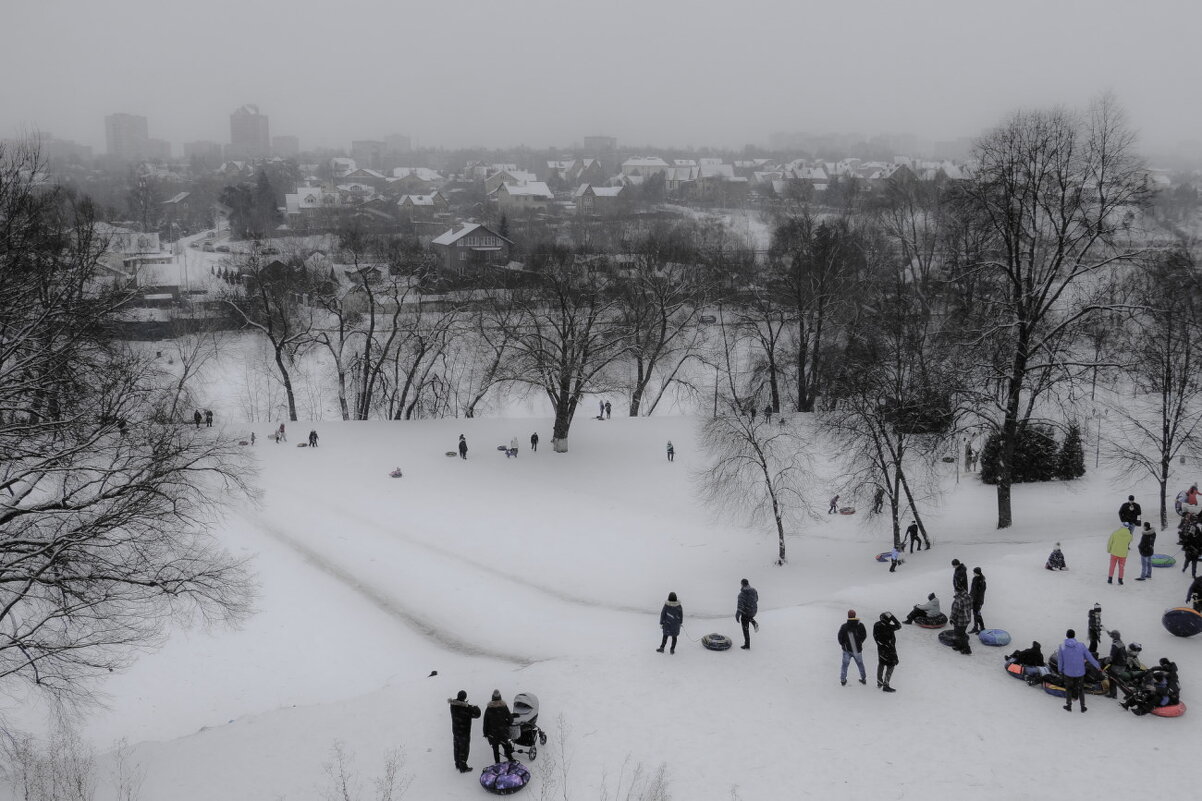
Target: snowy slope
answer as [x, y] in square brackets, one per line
[546, 574]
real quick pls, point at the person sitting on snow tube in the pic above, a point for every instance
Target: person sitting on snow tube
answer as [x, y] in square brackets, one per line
[1157, 687]
[1123, 667]
[1032, 662]
[924, 611]
[1056, 560]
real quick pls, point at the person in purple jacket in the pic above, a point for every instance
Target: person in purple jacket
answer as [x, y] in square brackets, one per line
[1070, 660]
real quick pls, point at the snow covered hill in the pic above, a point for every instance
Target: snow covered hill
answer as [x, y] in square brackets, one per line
[546, 574]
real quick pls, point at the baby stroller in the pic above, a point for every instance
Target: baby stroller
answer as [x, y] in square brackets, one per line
[524, 730]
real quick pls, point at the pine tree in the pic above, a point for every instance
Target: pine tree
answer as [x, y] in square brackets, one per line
[1071, 459]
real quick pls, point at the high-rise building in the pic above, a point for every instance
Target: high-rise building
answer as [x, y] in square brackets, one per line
[368, 153]
[285, 146]
[126, 136]
[249, 137]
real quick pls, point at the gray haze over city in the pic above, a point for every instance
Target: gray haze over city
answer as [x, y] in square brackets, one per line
[461, 73]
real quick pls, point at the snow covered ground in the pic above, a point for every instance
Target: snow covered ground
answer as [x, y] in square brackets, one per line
[546, 574]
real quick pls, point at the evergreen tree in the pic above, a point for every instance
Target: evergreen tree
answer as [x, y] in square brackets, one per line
[1071, 459]
[1036, 456]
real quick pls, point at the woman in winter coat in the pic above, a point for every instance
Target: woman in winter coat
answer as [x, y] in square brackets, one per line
[497, 721]
[670, 618]
[884, 632]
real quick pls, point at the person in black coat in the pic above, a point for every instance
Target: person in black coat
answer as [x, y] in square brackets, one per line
[462, 447]
[1028, 657]
[745, 611]
[1147, 549]
[884, 633]
[959, 577]
[851, 638]
[497, 720]
[670, 619]
[534, 441]
[462, 715]
[977, 591]
[1193, 596]
[1130, 513]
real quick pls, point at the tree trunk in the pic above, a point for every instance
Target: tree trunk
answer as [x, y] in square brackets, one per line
[287, 378]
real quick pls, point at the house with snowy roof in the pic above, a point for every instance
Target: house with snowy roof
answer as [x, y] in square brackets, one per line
[472, 248]
[600, 201]
[529, 196]
[512, 177]
[422, 206]
[644, 166]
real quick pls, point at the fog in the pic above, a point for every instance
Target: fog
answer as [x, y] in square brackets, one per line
[535, 72]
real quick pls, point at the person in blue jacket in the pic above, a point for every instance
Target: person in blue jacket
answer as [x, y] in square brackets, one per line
[670, 618]
[1070, 660]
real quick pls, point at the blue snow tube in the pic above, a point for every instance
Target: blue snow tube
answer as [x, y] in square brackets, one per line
[1163, 560]
[887, 556]
[994, 637]
[504, 778]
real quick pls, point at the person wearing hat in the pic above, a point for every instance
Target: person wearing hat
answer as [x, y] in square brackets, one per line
[462, 447]
[462, 715]
[670, 619]
[1130, 513]
[960, 617]
[497, 720]
[1095, 628]
[1147, 548]
[884, 633]
[745, 610]
[977, 592]
[1056, 560]
[1071, 659]
[959, 576]
[927, 610]
[851, 639]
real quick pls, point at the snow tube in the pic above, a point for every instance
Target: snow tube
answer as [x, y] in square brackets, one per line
[947, 637]
[504, 778]
[451, 453]
[716, 642]
[502, 447]
[1171, 711]
[847, 510]
[1016, 671]
[1163, 560]
[1096, 687]
[1054, 689]
[887, 556]
[395, 473]
[1182, 621]
[936, 622]
[994, 637]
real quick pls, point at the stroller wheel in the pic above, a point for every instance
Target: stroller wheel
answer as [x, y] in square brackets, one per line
[542, 738]
[533, 752]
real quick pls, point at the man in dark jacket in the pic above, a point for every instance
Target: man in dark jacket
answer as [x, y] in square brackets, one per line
[851, 639]
[1095, 628]
[1130, 513]
[534, 441]
[884, 633]
[462, 715]
[977, 593]
[497, 720]
[960, 617]
[462, 447]
[959, 577]
[1147, 548]
[748, 605]
[1193, 596]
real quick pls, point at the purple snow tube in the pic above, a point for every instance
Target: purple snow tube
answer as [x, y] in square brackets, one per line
[504, 778]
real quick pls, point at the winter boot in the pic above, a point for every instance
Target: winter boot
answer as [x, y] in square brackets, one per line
[659, 650]
[1120, 582]
[1110, 579]
[888, 689]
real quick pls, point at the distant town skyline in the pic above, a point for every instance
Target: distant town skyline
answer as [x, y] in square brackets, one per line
[720, 75]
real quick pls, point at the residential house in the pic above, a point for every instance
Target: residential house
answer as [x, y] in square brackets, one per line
[414, 181]
[512, 177]
[514, 198]
[422, 206]
[599, 201]
[472, 248]
[644, 166]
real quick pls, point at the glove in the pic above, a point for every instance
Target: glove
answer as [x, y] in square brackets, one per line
[737, 618]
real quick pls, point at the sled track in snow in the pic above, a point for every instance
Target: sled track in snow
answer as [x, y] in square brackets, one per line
[386, 604]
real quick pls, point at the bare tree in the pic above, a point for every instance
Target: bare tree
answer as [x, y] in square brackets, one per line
[1162, 419]
[344, 783]
[1055, 196]
[197, 342]
[759, 470]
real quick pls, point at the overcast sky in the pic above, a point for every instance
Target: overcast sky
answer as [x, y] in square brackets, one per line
[548, 72]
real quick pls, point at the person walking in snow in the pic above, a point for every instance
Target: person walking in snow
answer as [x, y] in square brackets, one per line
[834, 505]
[960, 617]
[1147, 548]
[878, 500]
[1071, 659]
[608, 410]
[196, 418]
[1118, 546]
[208, 418]
[745, 611]
[252, 438]
[884, 634]
[313, 438]
[497, 720]
[280, 434]
[1190, 540]
[959, 576]
[894, 559]
[1130, 513]
[670, 619]
[462, 447]
[462, 715]
[671, 452]
[534, 441]
[851, 638]
[768, 413]
[600, 410]
[1094, 629]
[913, 536]
[977, 593]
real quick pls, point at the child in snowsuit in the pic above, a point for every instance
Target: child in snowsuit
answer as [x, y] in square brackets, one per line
[1056, 560]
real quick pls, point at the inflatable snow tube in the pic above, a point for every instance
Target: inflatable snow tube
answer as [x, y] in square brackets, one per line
[887, 556]
[1182, 621]
[502, 447]
[947, 637]
[936, 622]
[1054, 689]
[1163, 560]
[716, 642]
[1096, 687]
[1016, 671]
[504, 778]
[997, 637]
[451, 453]
[1171, 711]
[847, 510]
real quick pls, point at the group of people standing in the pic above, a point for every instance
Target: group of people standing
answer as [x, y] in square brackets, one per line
[206, 418]
[497, 719]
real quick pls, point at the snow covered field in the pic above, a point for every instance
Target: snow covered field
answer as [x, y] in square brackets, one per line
[546, 574]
